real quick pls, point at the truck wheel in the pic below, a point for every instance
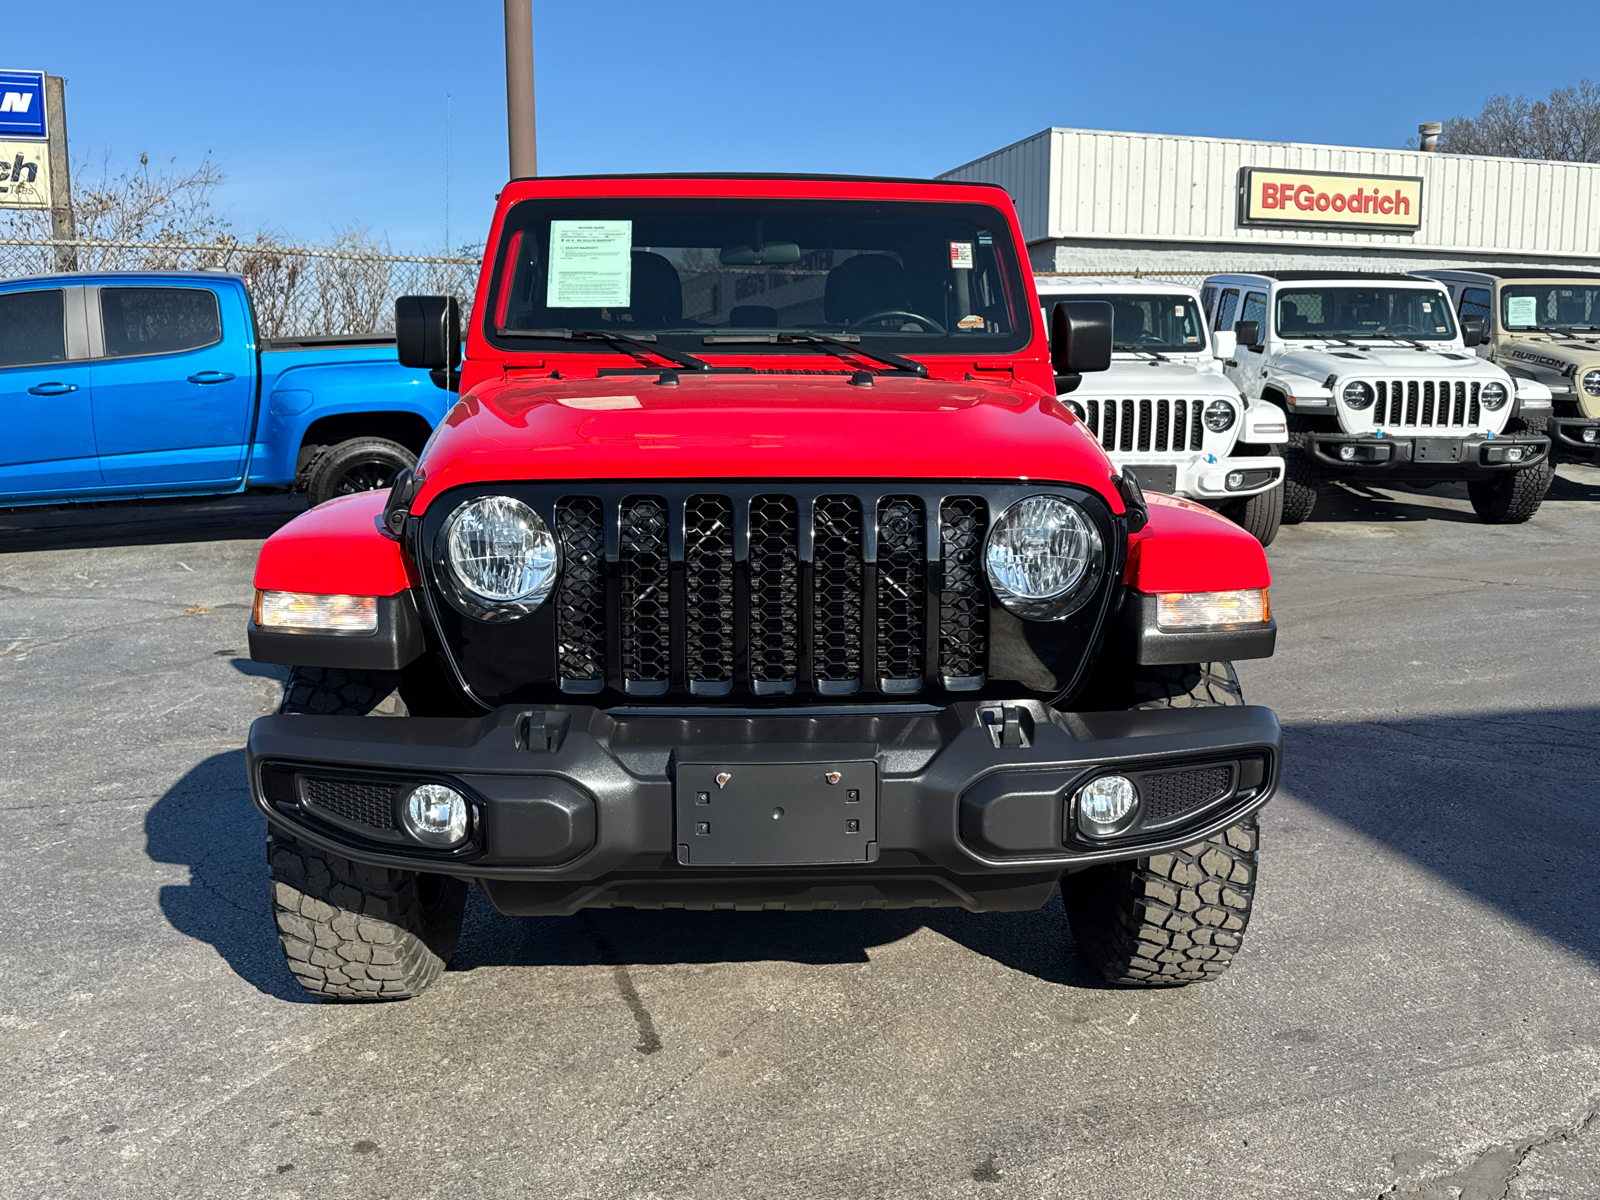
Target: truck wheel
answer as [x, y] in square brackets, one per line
[359, 465]
[1179, 917]
[351, 931]
[355, 932]
[1512, 497]
[1259, 515]
[1302, 479]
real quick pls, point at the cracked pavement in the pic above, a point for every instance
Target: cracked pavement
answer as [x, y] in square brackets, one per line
[1415, 1013]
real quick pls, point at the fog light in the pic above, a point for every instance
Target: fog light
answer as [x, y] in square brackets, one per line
[1591, 435]
[1235, 480]
[1105, 803]
[1346, 453]
[435, 815]
[1515, 453]
[308, 612]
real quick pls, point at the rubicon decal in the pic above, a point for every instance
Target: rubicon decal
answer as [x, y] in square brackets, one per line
[1273, 197]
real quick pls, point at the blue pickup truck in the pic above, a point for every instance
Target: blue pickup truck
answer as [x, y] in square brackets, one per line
[137, 384]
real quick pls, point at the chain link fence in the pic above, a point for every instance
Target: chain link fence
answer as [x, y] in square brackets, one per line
[298, 291]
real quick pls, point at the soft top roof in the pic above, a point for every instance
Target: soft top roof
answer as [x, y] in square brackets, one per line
[1525, 273]
[1302, 276]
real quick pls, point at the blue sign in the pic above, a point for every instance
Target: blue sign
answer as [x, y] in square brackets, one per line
[22, 104]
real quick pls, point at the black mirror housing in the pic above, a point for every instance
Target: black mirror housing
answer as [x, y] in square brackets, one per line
[1474, 331]
[1248, 333]
[1080, 336]
[427, 331]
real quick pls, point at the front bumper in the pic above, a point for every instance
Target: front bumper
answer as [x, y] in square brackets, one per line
[1201, 477]
[1576, 433]
[967, 806]
[1452, 457]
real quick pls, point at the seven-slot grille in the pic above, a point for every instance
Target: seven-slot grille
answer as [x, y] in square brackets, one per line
[1425, 404]
[1147, 426]
[831, 593]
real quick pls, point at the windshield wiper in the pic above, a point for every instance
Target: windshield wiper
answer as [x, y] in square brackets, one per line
[645, 341]
[838, 343]
[1155, 355]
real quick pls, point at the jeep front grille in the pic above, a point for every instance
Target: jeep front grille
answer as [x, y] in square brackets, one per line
[1146, 426]
[1425, 404]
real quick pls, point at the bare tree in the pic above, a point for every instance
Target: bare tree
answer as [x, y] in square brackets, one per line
[1566, 126]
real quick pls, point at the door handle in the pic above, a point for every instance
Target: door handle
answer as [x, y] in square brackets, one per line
[52, 389]
[211, 377]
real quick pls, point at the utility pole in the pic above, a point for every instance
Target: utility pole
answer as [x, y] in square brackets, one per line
[519, 89]
[63, 226]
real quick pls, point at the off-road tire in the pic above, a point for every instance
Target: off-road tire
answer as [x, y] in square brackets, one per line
[350, 931]
[358, 465]
[1174, 918]
[1512, 497]
[1302, 478]
[1258, 515]
[333, 692]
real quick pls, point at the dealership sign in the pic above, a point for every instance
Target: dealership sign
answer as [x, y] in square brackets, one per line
[24, 174]
[22, 104]
[1307, 199]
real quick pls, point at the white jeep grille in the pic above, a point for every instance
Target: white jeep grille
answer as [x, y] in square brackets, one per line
[1147, 426]
[1425, 404]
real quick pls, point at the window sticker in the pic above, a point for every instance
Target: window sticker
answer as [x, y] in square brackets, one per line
[590, 264]
[961, 256]
[972, 322]
[1522, 310]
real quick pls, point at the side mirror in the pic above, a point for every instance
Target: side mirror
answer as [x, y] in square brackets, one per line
[1474, 331]
[1223, 343]
[1080, 337]
[1248, 334]
[427, 332]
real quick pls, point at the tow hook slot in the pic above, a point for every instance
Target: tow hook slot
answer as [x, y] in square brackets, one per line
[541, 732]
[1007, 724]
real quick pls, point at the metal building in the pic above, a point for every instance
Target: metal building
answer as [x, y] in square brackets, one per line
[1093, 200]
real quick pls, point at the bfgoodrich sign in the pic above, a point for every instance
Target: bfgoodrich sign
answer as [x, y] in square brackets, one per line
[1307, 199]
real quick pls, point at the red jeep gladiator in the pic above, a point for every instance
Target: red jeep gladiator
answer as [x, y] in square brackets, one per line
[758, 566]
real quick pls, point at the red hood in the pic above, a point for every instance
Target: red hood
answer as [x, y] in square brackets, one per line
[739, 426]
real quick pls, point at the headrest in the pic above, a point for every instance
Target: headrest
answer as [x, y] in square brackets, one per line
[657, 293]
[862, 285]
[753, 316]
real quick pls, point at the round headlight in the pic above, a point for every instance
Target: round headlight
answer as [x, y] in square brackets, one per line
[500, 557]
[1218, 416]
[436, 815]
[1044, 558]
[1358, 395]
[1591, 382]
[1494, 396]
[1075, 409]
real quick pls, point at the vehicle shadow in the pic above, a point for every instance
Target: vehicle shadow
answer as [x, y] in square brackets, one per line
[1342, 501]
[146, 522]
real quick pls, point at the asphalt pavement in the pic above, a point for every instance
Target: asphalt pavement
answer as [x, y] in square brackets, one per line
[1415, 1012]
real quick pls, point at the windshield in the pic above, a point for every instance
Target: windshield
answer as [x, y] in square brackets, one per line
[1552, 306]
[1159, 324]
[917, 278]
[1402, 314]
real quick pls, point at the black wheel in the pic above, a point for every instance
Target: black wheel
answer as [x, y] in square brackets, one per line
[1302, 478]
[1174, 918]
[350, 931]
[1512, 497]
[1259, 515]
[359, 465]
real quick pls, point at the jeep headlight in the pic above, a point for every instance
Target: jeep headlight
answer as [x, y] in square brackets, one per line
[1494, 396]
[1591, 383]
[1358, 395]
[499, 558]
[1044, 557]
[1218, 416]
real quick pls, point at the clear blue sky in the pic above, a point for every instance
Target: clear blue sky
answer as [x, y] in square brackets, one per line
[332, 113]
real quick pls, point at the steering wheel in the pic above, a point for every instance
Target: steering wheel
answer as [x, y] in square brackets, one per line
[897, 312]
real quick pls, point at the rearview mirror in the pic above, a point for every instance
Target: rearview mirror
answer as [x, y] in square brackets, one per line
[1248, 334]
[1223, 343]
[1474, 331]
[1080, 337]
[771, 254]
[427, 332]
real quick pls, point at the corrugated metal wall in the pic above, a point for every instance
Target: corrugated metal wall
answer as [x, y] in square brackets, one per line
[1085, 183]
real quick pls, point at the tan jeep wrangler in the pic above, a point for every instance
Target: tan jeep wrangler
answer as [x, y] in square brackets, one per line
[1541, 324]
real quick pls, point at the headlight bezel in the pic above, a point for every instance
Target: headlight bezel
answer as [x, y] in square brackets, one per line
[458, 589]
[1222, 408]
[1494, 405]
[1365, 398]
[1066, 601]
[1590, 383]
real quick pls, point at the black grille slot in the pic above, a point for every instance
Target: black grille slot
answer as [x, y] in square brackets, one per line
[1171, 794]
[902, 593]
[836, 594]
[645, 581]
[581, 600]
[366, 802]
[774, 593]
[708, 581]
[963, 600]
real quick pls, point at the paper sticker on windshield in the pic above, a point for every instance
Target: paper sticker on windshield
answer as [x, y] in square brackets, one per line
[590, 264]
[961, 256]
[972, 322]
[1522, 310]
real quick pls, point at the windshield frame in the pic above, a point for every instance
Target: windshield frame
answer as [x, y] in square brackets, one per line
[1014, 289]
[1452, 326]
[1526, 285]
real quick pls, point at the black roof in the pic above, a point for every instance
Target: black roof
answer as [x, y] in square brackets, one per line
[1525, 272]
[1291, 276]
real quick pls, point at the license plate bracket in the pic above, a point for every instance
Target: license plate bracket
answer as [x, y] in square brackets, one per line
[1437, 450]
[1156, 479]
[770, 814]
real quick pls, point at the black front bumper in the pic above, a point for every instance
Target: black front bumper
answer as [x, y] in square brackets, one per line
[968, 805]
[1426, 456]
[1568, 433]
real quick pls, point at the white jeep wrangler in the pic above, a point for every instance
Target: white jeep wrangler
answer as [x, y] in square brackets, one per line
[1381, 385]
[1166, 409]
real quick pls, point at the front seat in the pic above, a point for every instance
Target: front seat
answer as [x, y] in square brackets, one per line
[862, 285]
[1127, 323]
[657, 293]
